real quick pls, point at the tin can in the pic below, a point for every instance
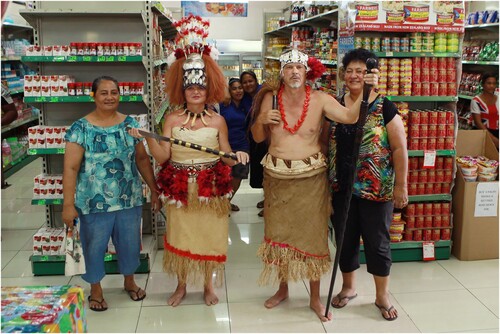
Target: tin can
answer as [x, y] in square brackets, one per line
[408, 235]
[414, 117]
[451, 76]
[422, 178]
[417, 235]
[419, 221]
[431, 175]
[386, 41]
[425, 63]
[426, 88]
[436, 208]
[437, 221]
[427, 235]
[413, 163]
[448, 175]
[375, 44]
[448, 163]
[451, 89]
[449, 143]
[436, 235]
[385, 48]
[358, 42]
[445, 234]
[439, 143]
[440, 176]
[415, 131]
[422, 144]
[445, 220]
[431, 144]
[413, 145]
[442, 117]
[442, 75]
[415, 46]
[412, 189]
[428, 221]
[446, 208]
[425, 77]
[450, 117]
[419, 210]
[450, 130]
[441, 130]
[438, 189]
[433, 117]
[367, 43]
[432, 130]
[429, 188]
[413, 176]
[433, 64]
[428, 209]
[424, 133]
[443, 89]
[410, 209]
[434, 89]
[424, 117]
[417, 88]
[420, 189]
[439, 164]
[445, 188]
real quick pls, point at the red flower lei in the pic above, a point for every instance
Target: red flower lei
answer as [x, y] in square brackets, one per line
[302, 116]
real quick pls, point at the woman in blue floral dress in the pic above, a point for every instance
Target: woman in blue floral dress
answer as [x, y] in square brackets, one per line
[102, 188]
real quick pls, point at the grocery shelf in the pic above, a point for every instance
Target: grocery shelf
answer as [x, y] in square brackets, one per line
[13, 26]
[159, 62]
[12, 169]
[11, 58]
[16, 124]
[423, 98]
[42, 151]
[417, 54]
[47, 201]
[17, 91]
[81, 59]
[31, 16]
[429, 198]
[466, 97]
[442, 153]
[478, 26]
[71, 99]
[480, 62]
[412, 251]
[301, 22]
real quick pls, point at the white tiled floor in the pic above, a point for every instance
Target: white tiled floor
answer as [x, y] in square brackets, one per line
[440, 296]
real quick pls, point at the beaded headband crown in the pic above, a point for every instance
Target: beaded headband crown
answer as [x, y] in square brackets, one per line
[294, 56]
[192, 32]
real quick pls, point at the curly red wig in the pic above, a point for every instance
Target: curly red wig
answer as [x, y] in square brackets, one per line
[216, 82]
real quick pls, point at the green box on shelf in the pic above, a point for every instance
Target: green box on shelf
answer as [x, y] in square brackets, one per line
[54, 265]
[412, 251]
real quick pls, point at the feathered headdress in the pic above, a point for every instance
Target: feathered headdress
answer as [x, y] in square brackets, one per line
[314, 68]
[194, 61]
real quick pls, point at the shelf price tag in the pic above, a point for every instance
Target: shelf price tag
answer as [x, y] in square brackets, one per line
[32, 151]
[122, 58]
[429, 159]
[132, 98]
[101, 58]
[71, 58]
[86, 58]
[110, 58]
[54, 99]
[428, 250]
[389, 54]
[58, 58]
[60, 151]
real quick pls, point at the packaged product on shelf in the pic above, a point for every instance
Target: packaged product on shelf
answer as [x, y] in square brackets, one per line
[47, 50]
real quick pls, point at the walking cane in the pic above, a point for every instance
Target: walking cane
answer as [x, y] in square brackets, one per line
[371, 63]
[187, 144]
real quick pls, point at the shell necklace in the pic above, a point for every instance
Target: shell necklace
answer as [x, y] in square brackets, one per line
[302, 116]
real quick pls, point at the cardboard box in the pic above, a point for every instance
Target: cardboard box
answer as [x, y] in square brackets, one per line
[474, 238]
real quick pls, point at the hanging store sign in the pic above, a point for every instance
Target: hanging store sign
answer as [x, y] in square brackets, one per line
[215, 9]
[406, 16]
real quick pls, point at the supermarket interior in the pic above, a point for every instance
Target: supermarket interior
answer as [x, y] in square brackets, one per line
[438, 65]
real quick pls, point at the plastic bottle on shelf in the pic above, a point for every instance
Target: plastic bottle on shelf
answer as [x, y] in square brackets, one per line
[6, 153]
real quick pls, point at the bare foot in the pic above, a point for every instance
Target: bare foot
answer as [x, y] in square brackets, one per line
[210, 297]
[177, 297]
[320, 309]
[278, 297]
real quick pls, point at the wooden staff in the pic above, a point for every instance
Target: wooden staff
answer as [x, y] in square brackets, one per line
[344, 213]
[187, 144]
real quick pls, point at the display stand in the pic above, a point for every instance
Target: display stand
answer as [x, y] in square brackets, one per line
[60, 23]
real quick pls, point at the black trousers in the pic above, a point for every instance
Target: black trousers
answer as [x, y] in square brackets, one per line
[371, 221]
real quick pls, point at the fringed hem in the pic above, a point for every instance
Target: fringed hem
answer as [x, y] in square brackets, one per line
[287, 264]
[221, 205]
[195, 272]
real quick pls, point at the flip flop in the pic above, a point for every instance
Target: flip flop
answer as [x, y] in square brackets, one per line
[349, 298]
[98, 302]
[382, 308]
[137, 299]
[234, 207]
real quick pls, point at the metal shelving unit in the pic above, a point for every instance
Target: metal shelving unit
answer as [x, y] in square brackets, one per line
[131, 21]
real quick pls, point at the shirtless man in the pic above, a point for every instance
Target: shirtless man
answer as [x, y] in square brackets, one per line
[297, 206]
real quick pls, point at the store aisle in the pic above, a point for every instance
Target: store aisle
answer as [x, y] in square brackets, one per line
[440, 296]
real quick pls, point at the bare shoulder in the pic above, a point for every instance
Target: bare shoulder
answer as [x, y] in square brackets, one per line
[217, 120]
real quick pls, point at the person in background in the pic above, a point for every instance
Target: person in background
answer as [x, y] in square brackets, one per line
[379, 186]
[9, 115]
[236, 117]
[257, 150]
[196, 185]
[102, 188]
[484, 107]
[297, 199]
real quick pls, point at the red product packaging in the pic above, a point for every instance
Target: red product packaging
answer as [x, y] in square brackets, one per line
[414, 118]
[445, 221]
[440, 143]
[424, 131]
[422, 176]
[433, 64]
[417, 80]
[441, 130]
[415, 131]
[441, 117]
[445, 234]
[449, 143]
[448, 176]
[451, 77]
[429, 188]
[445, 188]
[438, 189]
[451, 89]
[428, 209]
[417, 235]
[413, 144]
[437, 221]
[422, 144]
[439, 162]
[410, 221]
[413, 163]
[450, 117]
[408, 236]
[442, 63]
[448, 163]
[446, 208]
[443, 89]
[420, 189]
[434, 89]
[410, 209]
[426, 88]
[425, 63]
[414, 176]
[424, 117]
[431, 144]
[431, 175]
[436, 234]
[428, 221]
[433, 117]
[419, 209]
[427, 235]
[412, 189]
[436, 208]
